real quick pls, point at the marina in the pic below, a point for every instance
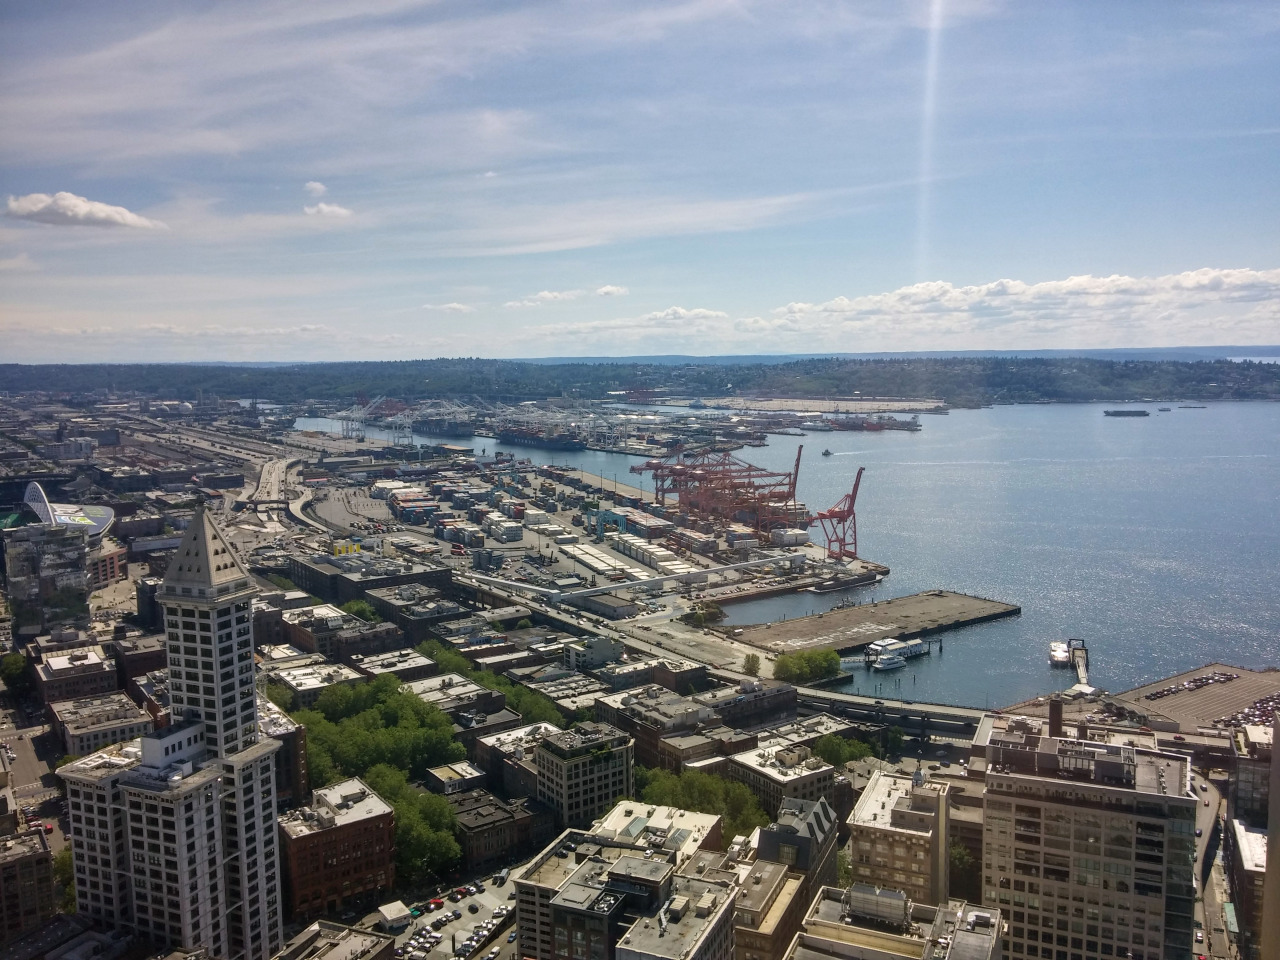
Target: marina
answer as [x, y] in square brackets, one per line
[853, 628]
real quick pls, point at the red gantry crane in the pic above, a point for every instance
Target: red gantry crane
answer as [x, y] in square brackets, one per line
[840, 525]
[711, 484]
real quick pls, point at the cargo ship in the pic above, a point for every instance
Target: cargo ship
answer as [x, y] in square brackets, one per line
[444, 427]
[881, 422]
[533, 438]
[1126, 413]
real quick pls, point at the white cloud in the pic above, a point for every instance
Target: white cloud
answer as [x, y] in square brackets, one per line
[449, 307]
[18, 264]
[546, 296]
[326, 210]
[609, 290]
[1195, 307]
[67, 209]
[1199, 307]
[315, 188]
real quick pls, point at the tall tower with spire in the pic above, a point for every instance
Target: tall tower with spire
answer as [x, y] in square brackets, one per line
[207, 596]
[174, 835]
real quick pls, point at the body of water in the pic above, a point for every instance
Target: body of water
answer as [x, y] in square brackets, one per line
[1155, 539]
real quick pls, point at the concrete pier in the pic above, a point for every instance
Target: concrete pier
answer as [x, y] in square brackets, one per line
[851, 628]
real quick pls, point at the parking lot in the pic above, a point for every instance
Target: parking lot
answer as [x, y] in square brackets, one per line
[439, 934]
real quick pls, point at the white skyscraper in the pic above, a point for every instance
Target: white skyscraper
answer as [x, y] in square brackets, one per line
[174, 835]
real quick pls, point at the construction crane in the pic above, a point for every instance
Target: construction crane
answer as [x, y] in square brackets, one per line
[840, 525]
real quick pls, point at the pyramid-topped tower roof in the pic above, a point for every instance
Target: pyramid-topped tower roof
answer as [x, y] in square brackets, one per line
[204, 558]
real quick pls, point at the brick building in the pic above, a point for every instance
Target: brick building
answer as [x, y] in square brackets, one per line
[337, 850]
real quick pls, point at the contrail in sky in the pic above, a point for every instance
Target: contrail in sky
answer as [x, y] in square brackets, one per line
[927, 113]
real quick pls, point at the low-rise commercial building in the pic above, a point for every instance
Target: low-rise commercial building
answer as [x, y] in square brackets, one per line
[340, 848]
[787, 773]
[91, 723]
[870, 922]
[405, 664]
[899, 836]
[605, 896]
[507, 758]
[293, 777]
[490, 830]
[450, 778]
[323, 940]
[454, 694]
[106, 563]
[306, 683]
[76, 674]
[651, 713]
[26, 884]
[751, 703]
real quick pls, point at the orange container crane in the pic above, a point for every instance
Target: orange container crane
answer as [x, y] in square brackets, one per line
[840, 525]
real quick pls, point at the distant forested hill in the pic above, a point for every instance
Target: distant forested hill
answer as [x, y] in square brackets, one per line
[966, 380]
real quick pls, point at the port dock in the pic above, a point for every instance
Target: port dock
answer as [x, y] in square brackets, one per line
[848, 629]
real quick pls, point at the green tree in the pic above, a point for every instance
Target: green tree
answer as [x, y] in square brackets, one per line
[964, 876]
[525, 624]
[806, 666]
[14, 673]
[838, 751]
[279, 694]
[362, 609]
[64, 877]
[706, 793]
[844, 868]
[751, 664]
[284, 583]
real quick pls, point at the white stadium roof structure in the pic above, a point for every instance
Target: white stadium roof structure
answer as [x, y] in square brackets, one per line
[93, 518]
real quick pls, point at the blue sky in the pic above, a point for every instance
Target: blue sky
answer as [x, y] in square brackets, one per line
[395, 179]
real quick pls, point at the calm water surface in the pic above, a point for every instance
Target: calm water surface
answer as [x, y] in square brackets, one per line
[1155, 539]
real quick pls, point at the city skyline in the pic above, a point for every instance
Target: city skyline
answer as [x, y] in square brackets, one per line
[557, 179]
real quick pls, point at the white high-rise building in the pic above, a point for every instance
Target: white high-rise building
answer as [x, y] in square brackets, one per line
[174, 835]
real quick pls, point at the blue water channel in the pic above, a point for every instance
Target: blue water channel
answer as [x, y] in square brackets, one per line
[1155, 539]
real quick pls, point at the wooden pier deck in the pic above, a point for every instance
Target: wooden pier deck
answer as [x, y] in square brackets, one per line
[850, 628]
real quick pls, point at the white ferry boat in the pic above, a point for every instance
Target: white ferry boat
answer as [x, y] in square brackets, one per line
[1059, 654]
[888, 661]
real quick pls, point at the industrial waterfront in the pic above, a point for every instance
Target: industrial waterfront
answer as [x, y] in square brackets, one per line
[1153, 538]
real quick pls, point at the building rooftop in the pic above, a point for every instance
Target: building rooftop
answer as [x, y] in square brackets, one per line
[1252, 844]
[24, 844]
[585, 737]
[391, 661]
[802, 731]
[656, 827]
[85, 660]
[1108, 758]
[315, 676]
[882, 796]
[335, 806]
[782, 765]
[104, 710]
[331, 941]
[461, 770]
[883, 923]
[272, 721]
[524, 738]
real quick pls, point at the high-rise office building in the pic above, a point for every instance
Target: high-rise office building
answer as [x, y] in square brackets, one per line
[174, 835]
[1089, 843]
